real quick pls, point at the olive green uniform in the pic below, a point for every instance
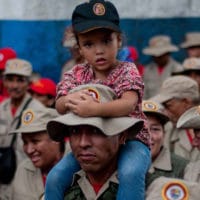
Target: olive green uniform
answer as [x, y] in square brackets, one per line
[82, 189]
[166, 164]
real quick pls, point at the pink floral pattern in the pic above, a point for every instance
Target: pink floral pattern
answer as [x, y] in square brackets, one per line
[124, 77]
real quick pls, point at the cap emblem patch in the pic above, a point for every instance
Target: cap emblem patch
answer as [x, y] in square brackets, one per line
[150, 106]
[28, 117]
[94, 93]
[175, 191]
[99, 9]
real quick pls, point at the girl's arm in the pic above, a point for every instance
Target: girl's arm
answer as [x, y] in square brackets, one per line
[87, 107]
[62, 102]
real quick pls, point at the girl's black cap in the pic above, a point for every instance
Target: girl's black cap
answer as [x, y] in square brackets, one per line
[95, 14]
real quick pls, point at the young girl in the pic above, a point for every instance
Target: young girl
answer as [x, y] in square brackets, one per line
[96, 26]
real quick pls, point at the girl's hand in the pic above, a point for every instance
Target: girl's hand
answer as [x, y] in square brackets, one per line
[84, 106]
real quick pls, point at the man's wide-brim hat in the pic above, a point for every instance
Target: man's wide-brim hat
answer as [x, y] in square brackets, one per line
[58, 127]
[190, 118]
[191, 40]
[159, 45]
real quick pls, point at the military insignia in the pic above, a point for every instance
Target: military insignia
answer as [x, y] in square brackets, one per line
[94, 93]
[190, 64]
[175, 190]
[28, 117]
[99, 9]
[149, 106]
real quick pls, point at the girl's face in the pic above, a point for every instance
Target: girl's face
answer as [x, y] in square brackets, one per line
[99, 47]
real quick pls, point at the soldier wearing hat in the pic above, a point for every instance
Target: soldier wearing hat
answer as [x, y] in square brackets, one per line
[44, 90]
[178, 94]
[43, 153]
[191, 119]
[96, 25]
[161, 66]
[191, 68]
[16, 80]
[95, 143]
[192, 44]
[164, 163]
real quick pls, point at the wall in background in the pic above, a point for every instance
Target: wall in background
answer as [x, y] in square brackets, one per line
[35, 28]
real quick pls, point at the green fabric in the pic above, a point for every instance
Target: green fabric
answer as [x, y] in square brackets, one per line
[75, 193]
[178, 167]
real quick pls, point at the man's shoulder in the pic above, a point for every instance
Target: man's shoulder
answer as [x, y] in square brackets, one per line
[78, 189]
[75, 193]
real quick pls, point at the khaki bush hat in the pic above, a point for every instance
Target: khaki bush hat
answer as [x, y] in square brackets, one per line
[191, 40]
[178, 86]
[159, 45]
[156, 109]
[190, 118]
[58, 128]
[35, 120]
[172, 189]
[189, 64]
[19, 67]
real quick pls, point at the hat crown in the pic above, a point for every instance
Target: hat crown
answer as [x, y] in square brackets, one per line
[36, 119]
[18, 66]
[180, 87]
[100, 92]
[159, 45]
[178, 83]
[95, 14]
[191, 63]
[44, 86]
[151, 106]
[159, 41]
[191, 39]
[6, 54]
[193, 36]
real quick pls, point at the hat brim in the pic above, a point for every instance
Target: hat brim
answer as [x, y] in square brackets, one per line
[58, 127]
[159, 51]
[190, 119]
[163, 118]
[30, 129]
[162, 98]
[94, 24]
[190, 44]
[16, 73]
[186, 71]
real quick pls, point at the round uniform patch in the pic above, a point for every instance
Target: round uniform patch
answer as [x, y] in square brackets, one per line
[191, 64]
[149, 106]
[175, 191]
[99, 9]
[28, 117]
[94, 93]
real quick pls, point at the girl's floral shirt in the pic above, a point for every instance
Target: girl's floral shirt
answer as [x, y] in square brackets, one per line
[124, 77]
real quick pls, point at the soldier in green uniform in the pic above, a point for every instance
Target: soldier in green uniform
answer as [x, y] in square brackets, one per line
[95, 143]
[164, 163]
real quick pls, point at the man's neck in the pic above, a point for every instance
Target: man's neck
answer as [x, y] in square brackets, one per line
[17, 101]
[102, 176]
